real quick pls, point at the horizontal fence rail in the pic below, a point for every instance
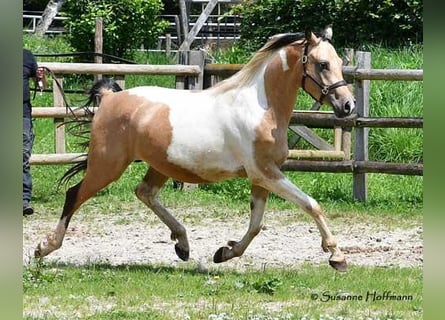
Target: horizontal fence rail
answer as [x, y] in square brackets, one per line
[59, 112]
[329, 120]
[227, 70]
[383, 74]
[353, 166]
[57, 158]
[121, 69]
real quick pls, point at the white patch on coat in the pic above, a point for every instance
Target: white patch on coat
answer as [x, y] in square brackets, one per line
[283, 57]
[287, 190]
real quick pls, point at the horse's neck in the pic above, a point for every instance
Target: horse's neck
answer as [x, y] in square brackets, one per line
[274, 88]
[281, 87]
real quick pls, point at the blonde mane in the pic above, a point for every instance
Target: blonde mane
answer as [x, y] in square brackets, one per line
[247, 74]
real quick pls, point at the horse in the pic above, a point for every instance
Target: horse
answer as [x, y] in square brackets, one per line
[237, 128]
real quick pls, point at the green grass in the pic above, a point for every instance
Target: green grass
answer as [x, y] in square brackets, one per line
[396, 99]
[99, 291]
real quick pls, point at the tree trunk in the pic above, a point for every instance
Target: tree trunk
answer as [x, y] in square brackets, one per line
[51, 10]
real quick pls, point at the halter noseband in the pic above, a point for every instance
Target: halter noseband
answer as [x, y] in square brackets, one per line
[324, 89]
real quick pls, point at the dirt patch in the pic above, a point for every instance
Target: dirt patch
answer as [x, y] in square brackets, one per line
[132, 238]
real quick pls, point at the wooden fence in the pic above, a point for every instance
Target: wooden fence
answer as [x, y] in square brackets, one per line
[329, 158]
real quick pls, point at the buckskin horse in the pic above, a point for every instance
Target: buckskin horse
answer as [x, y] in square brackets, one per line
[237, 128]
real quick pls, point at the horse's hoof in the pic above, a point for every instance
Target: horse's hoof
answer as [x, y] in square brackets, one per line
[37, 253]
[340, 266]
[218, 256]
[182, 254]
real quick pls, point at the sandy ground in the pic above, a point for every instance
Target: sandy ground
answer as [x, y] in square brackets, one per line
[139, 238]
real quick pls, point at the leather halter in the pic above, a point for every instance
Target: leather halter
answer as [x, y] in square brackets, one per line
[324, 89]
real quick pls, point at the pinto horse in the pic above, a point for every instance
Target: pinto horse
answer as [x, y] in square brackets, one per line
[238, 128]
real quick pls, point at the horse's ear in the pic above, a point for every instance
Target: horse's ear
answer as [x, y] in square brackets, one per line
[327, 33]
[310, 37]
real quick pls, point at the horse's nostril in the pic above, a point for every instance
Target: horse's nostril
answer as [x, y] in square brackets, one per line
[347, 107]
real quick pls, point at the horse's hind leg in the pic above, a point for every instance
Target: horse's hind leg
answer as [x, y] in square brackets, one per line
[99, 174]
[147, 191]
[236, 249]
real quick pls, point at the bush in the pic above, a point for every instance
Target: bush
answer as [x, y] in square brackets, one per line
[355, 22]
[127, 24]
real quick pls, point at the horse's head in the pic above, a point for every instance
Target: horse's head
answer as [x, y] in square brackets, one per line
[322, 73]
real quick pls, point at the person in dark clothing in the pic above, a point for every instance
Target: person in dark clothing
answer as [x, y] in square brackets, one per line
[30, 71]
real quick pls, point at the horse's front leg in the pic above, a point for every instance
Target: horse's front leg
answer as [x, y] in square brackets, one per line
[236, 248]
[284, 188]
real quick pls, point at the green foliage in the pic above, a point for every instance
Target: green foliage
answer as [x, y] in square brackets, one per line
[127, 25]
[396, 99]
[37, 274]
[355, 22]
[48, 45]
[234, 54]
[154, 58]
[268, 286]
[238, 188]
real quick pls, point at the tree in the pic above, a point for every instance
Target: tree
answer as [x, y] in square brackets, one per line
[127, 24]
[51, 10]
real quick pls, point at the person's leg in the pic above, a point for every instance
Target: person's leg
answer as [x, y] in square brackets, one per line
[28, 139]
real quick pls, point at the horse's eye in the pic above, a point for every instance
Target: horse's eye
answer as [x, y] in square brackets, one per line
[324, 66]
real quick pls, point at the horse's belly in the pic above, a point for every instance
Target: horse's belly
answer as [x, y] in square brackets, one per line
[209, 162]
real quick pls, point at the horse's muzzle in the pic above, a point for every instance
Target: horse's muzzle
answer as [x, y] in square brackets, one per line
[345, 109]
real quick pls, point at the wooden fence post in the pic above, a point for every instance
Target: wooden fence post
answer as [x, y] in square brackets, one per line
[184, 18]
[346, 131]
[183, 58]
[359, 184]
[168, 44]
[120, 80]
[190, 36]
[98, 45]
[59, 128]
[196, 57]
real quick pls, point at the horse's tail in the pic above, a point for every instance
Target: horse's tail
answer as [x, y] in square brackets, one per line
[98, 90]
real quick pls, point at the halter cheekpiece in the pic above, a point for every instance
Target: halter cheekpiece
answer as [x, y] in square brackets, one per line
[324, 89]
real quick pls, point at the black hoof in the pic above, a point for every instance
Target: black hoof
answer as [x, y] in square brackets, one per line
[182, 254]
[38, 252]
[218, 256]
[340, 266]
